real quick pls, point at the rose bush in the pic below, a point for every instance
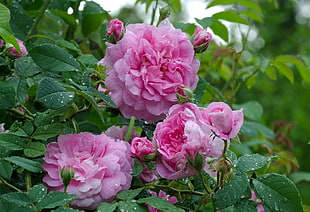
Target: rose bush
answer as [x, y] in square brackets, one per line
[102, 167]
[146, 66]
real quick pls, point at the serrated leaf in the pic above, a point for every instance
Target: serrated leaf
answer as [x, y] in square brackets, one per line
[107, 207]
[53, 58]
[37, 192]
[106, 98]
[245, 205]
[90, 98]
[220, 29]
[63, 209]
[278, 192]
[25, 163]
[230, 16]
[252, 162]
[12, 142]
[137, 169]
[52, 94]
[200, 89]
[252, 128]
[48, 131]
[17, 198]
[7, 95]
[34, 149]
[128, 194]
[284, 70]
[231, 192]
[160, 203]
[131, 206]
[25, 67]
[252, 110]
[205, 22]
[6, 169]
[54, 199]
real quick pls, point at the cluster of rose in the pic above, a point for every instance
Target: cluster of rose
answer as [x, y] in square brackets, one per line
[151, 72]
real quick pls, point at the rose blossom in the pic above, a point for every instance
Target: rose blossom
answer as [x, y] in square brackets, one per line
[146, 66]
[141, 148]
[223, 121]
[102, 167]
[202, 38]
[115, 29]
[14, 51]
[182, 135]
[163, 195]
[260, 207]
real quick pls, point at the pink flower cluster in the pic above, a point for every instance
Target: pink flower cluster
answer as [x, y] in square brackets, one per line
[146, 66]
[189, 130]
[102, 167]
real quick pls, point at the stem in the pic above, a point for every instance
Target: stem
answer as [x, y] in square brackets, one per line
[14, 110]
[37, 20]
[175, 190]
[205, 185]
[153, 13]
[9, 185]
[130, 128]
[28, 180]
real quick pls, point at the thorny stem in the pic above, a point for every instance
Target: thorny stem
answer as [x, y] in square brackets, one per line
[38, 19]
[3, 181]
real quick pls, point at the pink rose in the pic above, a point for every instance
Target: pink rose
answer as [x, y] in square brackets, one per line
[223, 121]
[115, 30]
[202, 38]
[260, 207]
[146, 66]
[141, 148]
[14, 51]
[182, 135]
[102, 167]
[162, 195]
[147, 175]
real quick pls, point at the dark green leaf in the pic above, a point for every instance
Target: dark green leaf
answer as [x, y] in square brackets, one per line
[12, 142]
[52, 94]
[106, 98]
[53, 58]
[128, 194]
[91, 99]
[7, 95]
[16, 198]
[37, 192]
[62, 209]
[252, 162]
[205, 22]
[245, 205]
[54, 199]
[200, 89]
[252, 128]
[231, 192]
[25, 163]
[297, 177]
[131, 206]
[5, 169]
[34, 149]
[220, 29]
[188, 28]
[48, 131]
[230, 16]
[107, 207]
[278, 192]
[137, 169]
[160, 203]
[252, 110]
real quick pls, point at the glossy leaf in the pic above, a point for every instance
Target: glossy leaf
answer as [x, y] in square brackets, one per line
[252, 110]
[48, 131]
[107, 207]
[160, 203]
[12, 142]
[128, 194]
[25, 163]
[252, 128]
[37, 192]
[54, 199]
[7, 95]
[205, 22]
[220, 29]
[284, 70]
[278, 192]
[252, 162]
[230, 16]
[34, 149]
[6, 169]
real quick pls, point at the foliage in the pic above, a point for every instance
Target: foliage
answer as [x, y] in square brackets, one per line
[54, 91]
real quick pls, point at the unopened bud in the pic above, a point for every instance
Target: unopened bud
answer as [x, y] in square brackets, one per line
[115, 30]
[223, 166]
[202, 38]
[67, 174]
[184, 94]
[164, 13]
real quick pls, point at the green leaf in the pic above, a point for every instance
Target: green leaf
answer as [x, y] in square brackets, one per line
[62, 209]
[69, 19]
[106, 98]
[6, 169]
[137, 169]
[90, 98]
[205, 22]
[252, 110]
[5, 29]
[188, 28]
[48, 131]
[17, 198]
[131, 206]
[300, 177]
[7, 95]
[231, 192]
[53, 58]
[252, 128]
[12, 142]
[220, 29]
[200, 89]
[245, 205]
[20, 86]
[25, 163]
[52, 94]
[160, 203]
[128, 194]
[37, 192]
[303, 70]
[252, 15]
[34, 149]
[284, 70]
[220, 2]
[107, 207]
[278, 192]
[251, 5]
[230, 16]
[252, 162]
[92, 17]
[54, 199]
[271, 72]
